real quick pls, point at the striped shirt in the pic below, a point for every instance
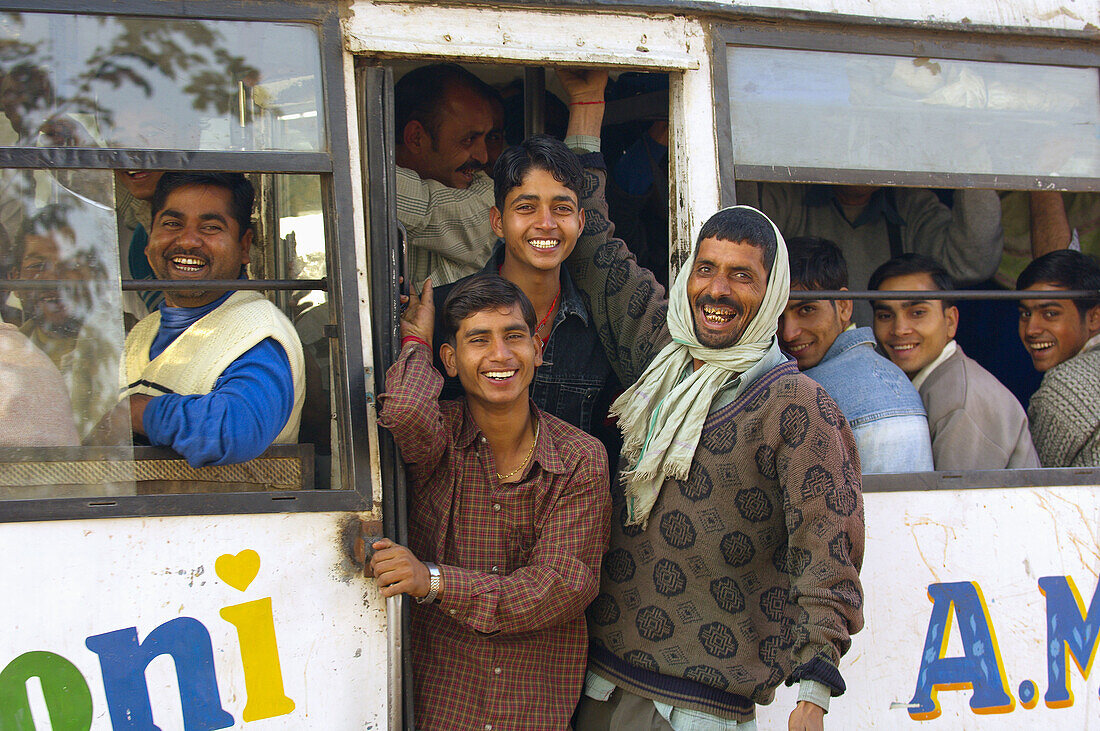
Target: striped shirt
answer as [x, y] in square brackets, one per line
[449, 236]
[504, 645]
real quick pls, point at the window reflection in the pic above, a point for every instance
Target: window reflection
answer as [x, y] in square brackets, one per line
[867, 112]
[68, 304]
[82, 81]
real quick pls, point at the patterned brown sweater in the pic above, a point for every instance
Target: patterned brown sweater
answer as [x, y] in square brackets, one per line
[748, 572]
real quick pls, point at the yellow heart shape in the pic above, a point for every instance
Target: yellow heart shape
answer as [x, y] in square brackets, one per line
[238, 571]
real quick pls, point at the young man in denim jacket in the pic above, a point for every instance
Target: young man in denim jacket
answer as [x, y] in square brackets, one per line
[537, 218]
[883, 408]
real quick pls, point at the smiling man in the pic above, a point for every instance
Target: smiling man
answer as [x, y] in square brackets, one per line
[444, 122]
[538, 218]
[882, 407]
[1063, 338]
[507, 523]
[67, 323]
[737, 534]
[975, 422]
[216, 376]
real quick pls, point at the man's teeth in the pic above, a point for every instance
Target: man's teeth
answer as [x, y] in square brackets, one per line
[717, 315]
[188, 263]
[904, 348]
[1040, 346]
[799, 348]
[499, 375]
[543, 243]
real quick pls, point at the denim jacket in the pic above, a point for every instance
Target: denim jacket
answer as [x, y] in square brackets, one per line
[883, 408]
[574, 382]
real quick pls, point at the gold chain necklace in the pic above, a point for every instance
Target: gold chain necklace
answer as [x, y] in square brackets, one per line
[531, 451]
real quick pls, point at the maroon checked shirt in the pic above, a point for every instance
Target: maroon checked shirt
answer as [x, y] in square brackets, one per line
[504, 645]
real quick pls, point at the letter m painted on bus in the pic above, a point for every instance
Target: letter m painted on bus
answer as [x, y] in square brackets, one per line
[1071, 632]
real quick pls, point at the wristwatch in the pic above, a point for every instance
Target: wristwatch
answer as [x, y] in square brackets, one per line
[433, 584]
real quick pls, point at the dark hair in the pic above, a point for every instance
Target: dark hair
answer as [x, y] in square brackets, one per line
[816, 263]
[52, 217]
[741, 225]
[910, 263]
[241, 192]
[541, 152]
[420, 94]
[1065, 268]
[479, 293]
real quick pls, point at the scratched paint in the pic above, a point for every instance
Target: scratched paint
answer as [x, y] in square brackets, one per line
[191, 622]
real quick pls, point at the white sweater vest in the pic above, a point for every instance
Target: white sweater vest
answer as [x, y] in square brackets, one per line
[193, 361]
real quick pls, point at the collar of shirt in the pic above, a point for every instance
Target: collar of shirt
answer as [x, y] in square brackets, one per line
[851, 337]
[545, 454]
[880, 205]
[737, 385]
[923, 373]
[570, 302]
[182, 318]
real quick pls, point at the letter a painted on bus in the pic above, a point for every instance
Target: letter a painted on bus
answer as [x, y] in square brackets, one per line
[123, 662]
[980, 668]
[1071, 632]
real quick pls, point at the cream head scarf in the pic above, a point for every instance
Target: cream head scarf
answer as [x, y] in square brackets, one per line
[661, 416]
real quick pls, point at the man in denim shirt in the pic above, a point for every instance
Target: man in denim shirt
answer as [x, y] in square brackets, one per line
[883, 408]
[538, 219]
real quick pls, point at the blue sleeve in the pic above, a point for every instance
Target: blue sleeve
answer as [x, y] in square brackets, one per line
[240, 418]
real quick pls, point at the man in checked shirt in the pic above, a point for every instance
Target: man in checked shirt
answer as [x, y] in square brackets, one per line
[508, 520]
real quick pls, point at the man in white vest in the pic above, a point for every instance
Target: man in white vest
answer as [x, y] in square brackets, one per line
[217, 376]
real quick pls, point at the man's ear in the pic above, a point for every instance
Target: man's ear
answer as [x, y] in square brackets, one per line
[1092, 320]
[415, 136]
[582, 221]
[844, 309]
[246, 246]
[449, 357]
[952, 315]
[496, 221]
[538, 350]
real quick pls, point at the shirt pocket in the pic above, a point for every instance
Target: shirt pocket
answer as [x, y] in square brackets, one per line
[517, 501]
[574, 404]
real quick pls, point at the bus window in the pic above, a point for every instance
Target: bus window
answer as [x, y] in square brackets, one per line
[912, 114]
[62, 281]
[81, 81]
[63, 298]
[634, 142]
[87, 295]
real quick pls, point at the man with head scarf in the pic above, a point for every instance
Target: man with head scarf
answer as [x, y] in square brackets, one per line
[737, 531]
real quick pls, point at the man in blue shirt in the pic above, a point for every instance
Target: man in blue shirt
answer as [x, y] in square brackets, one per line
[883, 408]
[216, 376]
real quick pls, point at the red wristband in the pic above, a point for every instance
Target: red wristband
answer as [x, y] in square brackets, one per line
[414, 339]
[577, 104]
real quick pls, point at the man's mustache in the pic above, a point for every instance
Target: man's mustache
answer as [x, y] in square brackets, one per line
[471, 166]
[706, 299]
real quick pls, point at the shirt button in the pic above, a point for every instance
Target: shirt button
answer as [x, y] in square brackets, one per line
[483, 440]
[488, 727]
[496, 507]
[496, 570]
[451, 612]
[497, 671]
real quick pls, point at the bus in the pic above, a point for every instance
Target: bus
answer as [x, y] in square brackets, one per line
[144, 593]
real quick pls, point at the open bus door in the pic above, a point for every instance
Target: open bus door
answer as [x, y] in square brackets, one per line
[142, 590]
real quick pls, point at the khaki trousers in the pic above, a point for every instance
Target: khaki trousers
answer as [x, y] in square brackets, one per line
[621, 712]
